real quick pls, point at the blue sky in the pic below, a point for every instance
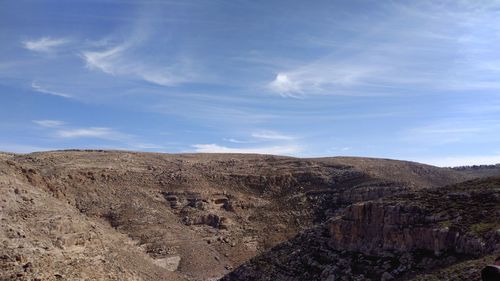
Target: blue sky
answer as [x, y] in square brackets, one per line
[415, 80]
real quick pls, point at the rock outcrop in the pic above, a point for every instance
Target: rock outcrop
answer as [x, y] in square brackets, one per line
[396, 238]
[373, 228]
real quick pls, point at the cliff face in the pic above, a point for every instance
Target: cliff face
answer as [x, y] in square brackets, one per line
[373, 228]
[398, 237]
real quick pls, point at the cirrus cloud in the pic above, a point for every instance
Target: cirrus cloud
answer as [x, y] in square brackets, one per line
[275, 150]
[92, 132]
[44, 44]
[271, 135]
[49, 123]
[120, 60]
[41, 89]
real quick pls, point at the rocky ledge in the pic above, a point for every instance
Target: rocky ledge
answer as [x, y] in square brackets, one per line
[400, 237]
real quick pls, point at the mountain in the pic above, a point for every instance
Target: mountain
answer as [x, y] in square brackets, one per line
[147, 216]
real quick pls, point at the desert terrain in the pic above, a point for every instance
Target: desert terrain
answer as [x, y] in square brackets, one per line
[116, 215]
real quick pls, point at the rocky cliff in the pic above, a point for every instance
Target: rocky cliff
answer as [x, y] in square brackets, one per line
[399, 237]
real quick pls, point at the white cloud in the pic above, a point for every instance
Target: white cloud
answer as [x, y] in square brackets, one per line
[275, 150]
[42, 89]
[103, 60]
[49, 123]
[138, 55]
[119, 60]
[92, 132]
[271, 135]
[44, 44]
[60, 130]
[324, 76]
[236, 140]
[284, 86]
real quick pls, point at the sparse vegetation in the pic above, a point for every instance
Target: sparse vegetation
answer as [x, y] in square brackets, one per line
[481, 228]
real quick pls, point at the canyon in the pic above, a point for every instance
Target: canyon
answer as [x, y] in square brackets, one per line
[118, 215]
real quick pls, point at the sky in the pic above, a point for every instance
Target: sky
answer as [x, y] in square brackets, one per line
[413, 80]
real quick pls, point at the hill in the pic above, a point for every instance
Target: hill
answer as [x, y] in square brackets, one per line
[149, 216]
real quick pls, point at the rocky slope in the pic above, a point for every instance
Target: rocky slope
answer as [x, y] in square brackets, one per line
[45, 238]
[410, 235]
[144, 216]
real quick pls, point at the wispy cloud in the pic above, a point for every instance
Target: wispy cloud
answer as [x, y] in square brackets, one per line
[127, 57]
[62, 132]
[37, 87]
[321, 78]
[233, 140]
[105, 61]
[276, 150]
[119, 61]
[211, 109]
[420, 47]
[44, 44]
[455, 130]
[91, 132]
[49, 123]
[271, 135]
